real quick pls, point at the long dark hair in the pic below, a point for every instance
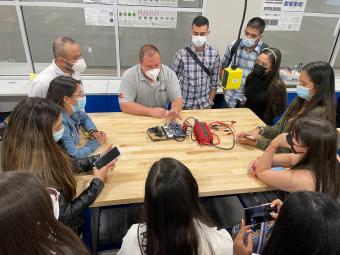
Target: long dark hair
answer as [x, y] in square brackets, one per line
[277, 92]
[322, 75]
[60, 87]
[320, 137]
[308, 223]
[171, 207]
[28, 225]
[29, 145]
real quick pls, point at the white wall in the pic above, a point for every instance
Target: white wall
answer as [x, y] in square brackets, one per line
[225, 18]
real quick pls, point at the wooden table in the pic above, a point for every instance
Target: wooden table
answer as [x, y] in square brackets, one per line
[217, 172]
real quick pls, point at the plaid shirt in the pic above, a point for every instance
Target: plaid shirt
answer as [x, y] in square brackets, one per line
[195, 83]
[245, 60]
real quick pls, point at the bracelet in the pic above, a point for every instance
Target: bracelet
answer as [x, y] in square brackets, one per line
[92, 131]
[261, 128]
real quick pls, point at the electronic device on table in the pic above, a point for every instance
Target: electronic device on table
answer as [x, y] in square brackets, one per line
[171, 130]
[202, 132]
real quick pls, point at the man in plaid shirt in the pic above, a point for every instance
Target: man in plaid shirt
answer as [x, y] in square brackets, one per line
[198, 86]
[248, 50]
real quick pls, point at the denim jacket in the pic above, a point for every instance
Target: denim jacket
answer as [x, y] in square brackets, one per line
[71, 137]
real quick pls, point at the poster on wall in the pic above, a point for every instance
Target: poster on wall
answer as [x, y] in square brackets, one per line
[283, 22]
[99, 17]
[285, 5]
[131, 17]
[167, 3]
[139, 17]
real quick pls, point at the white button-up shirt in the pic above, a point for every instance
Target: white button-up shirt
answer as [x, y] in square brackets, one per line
[41, 83]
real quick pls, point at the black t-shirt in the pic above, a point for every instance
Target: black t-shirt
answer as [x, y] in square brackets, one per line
[256, 92]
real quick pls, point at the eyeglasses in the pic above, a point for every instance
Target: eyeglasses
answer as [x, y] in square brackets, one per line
[289, 138]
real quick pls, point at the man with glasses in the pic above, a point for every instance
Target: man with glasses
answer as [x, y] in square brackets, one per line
[248, 48]
[68, 61]
[149, 87]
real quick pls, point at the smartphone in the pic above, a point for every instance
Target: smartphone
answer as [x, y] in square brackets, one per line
[258, 214]
[107, 158]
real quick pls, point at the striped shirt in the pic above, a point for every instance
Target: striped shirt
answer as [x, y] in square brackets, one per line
[245, 60]
[195, 83]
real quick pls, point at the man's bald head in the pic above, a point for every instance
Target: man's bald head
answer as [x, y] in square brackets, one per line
[61, 45]
[66, 52]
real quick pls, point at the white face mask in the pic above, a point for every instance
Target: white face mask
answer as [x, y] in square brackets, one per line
[54, 194]
[198, 41]
[79, 66]
[153, 73]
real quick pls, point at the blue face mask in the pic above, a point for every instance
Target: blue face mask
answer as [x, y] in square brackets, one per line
[302, 92]
[247, 42]
[58, 135]
[81, 102]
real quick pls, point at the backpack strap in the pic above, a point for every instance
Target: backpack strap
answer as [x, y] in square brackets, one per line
[199, 62]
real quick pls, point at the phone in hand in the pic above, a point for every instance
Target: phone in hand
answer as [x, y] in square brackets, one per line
[107, 158]
[258, 214]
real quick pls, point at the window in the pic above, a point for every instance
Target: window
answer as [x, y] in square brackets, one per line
[44, 24]
[323, 6]
[313, 42]
[12, 54]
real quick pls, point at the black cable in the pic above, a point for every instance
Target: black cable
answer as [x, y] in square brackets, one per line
[233, 65]
[179, 139]
[230, 148]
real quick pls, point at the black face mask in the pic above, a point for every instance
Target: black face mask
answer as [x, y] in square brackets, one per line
[260, 70]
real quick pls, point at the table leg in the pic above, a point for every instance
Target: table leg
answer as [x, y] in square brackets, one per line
[95, 228]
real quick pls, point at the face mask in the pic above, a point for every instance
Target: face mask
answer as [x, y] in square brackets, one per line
[302, 92]
[153, 73]
[54, 194]
[259, 70]
[247, 42]
[81, 102]
[79, 66]
[198, 41]
[58, 135]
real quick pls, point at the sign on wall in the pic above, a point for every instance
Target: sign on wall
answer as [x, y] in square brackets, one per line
[168, 3]
[131, 17]
[282, 22]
